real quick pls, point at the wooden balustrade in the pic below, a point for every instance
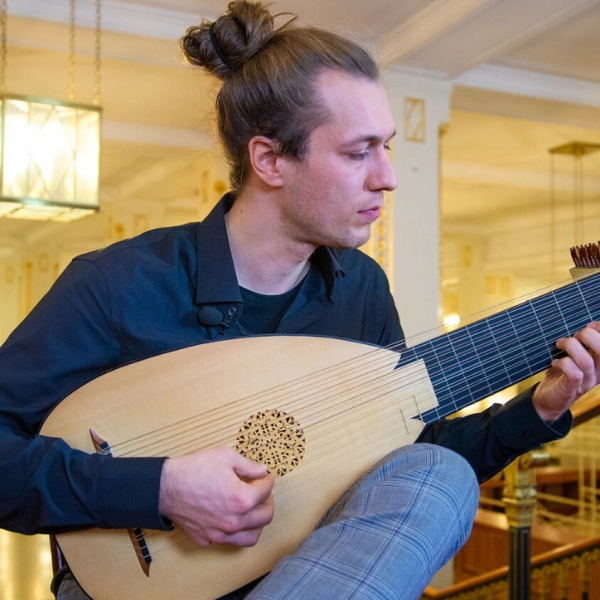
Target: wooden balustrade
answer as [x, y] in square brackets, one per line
[569, 572]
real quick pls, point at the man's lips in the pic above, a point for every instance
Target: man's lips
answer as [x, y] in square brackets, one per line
[371, 213]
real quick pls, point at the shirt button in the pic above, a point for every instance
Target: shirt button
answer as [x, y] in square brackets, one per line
[232, 311]
[527, 434]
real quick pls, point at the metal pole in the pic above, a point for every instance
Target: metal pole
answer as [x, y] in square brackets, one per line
[519, 571]
[519, 501]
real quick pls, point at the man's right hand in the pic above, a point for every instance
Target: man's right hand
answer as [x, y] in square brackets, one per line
[217, 496]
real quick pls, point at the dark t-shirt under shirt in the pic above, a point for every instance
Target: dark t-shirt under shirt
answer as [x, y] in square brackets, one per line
[262, 313]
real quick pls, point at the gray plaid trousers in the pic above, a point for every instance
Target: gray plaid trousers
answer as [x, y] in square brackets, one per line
[385, 538]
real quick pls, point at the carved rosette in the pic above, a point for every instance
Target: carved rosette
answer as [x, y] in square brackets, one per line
[274, 438]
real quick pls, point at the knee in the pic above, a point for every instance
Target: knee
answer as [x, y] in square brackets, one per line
[432, 458]
[452, 467]
[444, 476]
[453, 481]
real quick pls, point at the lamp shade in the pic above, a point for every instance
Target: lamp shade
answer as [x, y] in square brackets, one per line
[49, 160]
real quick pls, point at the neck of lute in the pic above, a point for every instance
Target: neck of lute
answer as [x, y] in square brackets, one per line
[489, 355]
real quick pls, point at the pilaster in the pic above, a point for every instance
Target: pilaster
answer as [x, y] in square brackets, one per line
[421, 108]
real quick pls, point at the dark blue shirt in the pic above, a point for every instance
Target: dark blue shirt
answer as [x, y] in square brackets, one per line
[164, 290]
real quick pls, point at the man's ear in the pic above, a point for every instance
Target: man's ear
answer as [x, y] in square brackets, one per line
[265, 160]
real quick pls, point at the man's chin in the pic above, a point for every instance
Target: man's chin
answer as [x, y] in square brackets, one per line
[358, 242]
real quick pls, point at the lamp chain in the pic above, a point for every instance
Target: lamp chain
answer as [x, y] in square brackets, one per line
[72, 51]
[98, 62]
[3, 13]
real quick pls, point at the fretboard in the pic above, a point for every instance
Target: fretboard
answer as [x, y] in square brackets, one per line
[489, 355]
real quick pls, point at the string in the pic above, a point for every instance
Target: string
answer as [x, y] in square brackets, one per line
[364, 396]
[215, 423]
[177, 535]
[311, 376]
[341, 373]
[209, 436]
[547, 336]
[318, 449]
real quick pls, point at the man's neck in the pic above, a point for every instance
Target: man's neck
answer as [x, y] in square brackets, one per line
[265, 260]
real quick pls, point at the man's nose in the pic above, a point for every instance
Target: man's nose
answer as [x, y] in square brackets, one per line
[383, 177]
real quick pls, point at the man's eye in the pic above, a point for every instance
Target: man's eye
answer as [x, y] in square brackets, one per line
[359, 155]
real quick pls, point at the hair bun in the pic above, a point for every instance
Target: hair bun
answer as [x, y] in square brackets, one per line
[224, 46]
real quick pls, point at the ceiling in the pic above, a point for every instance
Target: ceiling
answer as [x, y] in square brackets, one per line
[526, 78]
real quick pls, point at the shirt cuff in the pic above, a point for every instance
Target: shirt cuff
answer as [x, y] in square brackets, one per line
[522, 428]
[128, 491]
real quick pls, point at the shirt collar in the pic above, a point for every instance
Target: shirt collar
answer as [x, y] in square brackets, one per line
[216, 278]
[326, 260]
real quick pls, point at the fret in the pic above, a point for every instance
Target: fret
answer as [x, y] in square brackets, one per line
[440, 377]
[493, 360]
[590, 289]
[476, 361]
[470, 363]
[450, 364]
[529, 323]
[437, 375]
[589, 304]
[571, 309]
[549, 317]
[516, 356]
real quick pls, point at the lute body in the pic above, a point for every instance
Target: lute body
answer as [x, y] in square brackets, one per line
[200, 397]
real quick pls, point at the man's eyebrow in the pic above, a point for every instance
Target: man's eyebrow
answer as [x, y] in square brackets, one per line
[369, 139]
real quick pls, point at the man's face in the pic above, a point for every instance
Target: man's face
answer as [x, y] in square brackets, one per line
[335, 192]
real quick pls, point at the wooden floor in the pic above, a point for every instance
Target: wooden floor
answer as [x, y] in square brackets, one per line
[25, 567]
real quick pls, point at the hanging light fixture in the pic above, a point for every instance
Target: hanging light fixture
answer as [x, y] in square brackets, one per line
[49, 150]
[565, 232]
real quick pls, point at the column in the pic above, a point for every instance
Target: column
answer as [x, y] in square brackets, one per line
[421, 108]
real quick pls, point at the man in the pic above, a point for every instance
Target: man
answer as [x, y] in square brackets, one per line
[306, 126]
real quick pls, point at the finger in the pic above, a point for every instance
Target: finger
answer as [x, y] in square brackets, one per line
[589, 336]
[247, 469]
[200, 539]
[227, 530]
[574, 381]
[577, 351]
[258, 507]
[246, 538]
[595, 325]
[260, 516]
[199, 535]
[572, 374]
[262, 487]
[246, 533]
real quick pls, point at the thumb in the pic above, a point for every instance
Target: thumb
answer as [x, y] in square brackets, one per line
[248, 469]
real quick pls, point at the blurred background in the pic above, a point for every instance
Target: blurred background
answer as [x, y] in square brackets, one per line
[514, 165]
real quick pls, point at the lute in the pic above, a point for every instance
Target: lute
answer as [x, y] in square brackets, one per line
[318, 411]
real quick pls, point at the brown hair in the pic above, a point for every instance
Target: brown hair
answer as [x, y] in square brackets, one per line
[269, 78]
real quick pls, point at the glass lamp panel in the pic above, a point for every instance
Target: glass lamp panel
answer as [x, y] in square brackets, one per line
[52, 133]
[51, 154]
[35, 212]
[87, 157]
[15, 148]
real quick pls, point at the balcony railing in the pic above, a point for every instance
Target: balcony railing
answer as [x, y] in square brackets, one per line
[571, 572]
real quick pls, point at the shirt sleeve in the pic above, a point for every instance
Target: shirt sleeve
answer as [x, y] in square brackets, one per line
[492, 439]
[48, 487]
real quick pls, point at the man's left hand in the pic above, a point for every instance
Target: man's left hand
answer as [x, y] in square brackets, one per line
[570, 377]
